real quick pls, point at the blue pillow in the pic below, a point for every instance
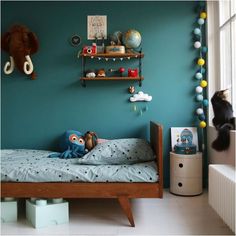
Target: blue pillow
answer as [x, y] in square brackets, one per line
[119, 151]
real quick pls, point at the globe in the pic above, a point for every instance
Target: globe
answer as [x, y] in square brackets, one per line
[116, 37]
[132, 38]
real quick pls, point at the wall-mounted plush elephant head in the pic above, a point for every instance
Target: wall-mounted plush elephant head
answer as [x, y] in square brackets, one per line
[20, 43]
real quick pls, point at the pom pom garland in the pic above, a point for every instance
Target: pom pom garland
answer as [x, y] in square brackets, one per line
[197, 31]
[203, 83]
[200, 21]
[203, 15]
[199, 111]
[201, 62]
[204, 49]
[202, 124]
[197, 44]
[201, 117]
[205, 102]
[198, 89]
[203, 70]
[198, 75]
[199, 97]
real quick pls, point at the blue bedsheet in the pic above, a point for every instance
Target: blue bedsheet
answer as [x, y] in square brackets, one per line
[25, 165]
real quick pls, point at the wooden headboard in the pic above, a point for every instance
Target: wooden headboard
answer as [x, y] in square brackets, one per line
[156, 141]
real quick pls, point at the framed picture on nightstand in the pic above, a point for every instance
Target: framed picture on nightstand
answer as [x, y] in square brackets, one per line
[184, 135]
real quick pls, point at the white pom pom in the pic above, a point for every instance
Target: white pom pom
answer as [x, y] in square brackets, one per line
[198, 89]
[197, 44]
[200, 21]
[199, 111]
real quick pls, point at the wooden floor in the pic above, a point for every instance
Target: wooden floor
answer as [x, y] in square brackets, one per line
[167, 216]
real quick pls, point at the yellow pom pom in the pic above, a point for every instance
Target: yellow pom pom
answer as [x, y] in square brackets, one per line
[203, 15]
[203, 83]
[201, 62]
[202, 124]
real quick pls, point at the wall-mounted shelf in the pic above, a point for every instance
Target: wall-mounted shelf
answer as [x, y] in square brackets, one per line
[83, 79]
[113, 78]
[114, 57]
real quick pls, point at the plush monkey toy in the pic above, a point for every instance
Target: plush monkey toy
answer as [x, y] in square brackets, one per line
[90, 140]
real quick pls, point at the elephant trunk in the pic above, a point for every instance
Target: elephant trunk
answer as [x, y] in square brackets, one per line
[9, 66]
[28, 65]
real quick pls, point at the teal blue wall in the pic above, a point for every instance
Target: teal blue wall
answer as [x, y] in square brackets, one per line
[35, 113]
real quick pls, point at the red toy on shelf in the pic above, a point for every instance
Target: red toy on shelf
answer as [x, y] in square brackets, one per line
[133, 72]
[90, 49]
[121, 70]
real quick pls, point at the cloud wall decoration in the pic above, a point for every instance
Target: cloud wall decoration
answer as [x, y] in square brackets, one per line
[140, 96]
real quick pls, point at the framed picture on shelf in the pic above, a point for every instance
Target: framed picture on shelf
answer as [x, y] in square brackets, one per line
[184, 135]
[97, 27]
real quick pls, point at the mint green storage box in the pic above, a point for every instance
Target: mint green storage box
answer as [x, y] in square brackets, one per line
[48, 213]
[8, 210]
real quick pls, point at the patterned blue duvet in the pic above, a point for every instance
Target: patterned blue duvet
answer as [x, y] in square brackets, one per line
[34, 166]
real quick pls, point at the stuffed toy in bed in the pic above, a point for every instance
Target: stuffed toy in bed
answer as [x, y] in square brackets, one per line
[72, 145]
[91, 140]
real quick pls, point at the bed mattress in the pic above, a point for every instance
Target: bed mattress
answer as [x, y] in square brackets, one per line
[23, 165]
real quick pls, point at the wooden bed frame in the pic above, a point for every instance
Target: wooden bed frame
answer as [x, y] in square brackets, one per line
[122, 191]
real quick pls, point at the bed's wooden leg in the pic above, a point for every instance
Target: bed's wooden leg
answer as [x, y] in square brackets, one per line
[125, 204]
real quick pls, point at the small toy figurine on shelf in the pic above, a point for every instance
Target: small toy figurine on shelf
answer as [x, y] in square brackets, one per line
[133, 72]
[90, 74]
[121, 70]
[116, 38]
[100, 48]
[131, 89]
[115, 41]
[101, 73]
[90, 49]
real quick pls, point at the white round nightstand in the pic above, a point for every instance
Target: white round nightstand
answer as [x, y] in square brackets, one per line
[186, 174]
